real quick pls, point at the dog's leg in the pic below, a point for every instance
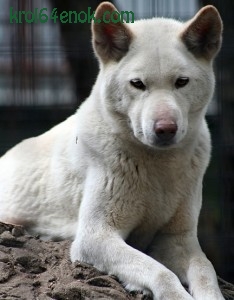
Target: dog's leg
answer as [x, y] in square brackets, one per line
[101, 244]
[104, 248]
[201, 275]
[182, 254]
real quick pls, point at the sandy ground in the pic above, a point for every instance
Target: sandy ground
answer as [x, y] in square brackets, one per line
[34, 269]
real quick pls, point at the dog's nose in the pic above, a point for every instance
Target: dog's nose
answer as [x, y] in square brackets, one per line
[165, 130]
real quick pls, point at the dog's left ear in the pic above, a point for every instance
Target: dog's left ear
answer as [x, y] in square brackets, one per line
[203, 34]
[111, 37]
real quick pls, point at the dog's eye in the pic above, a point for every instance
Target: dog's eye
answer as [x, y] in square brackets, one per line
[181, 82]
[138, 84]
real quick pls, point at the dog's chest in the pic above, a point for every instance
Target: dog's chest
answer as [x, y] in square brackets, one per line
[161, 200]
[145, 195]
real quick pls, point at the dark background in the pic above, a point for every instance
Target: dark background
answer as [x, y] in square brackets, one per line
[47, 70]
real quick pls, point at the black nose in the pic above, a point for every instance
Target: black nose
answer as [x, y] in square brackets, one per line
[165, 130]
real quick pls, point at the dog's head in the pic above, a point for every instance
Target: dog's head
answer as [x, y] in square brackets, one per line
[156, 75]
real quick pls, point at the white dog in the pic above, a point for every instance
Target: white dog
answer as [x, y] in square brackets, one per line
[123, 176]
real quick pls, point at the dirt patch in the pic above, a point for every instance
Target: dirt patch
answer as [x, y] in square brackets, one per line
[34, 269]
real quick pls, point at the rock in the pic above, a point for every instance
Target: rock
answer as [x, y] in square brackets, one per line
[32, 269]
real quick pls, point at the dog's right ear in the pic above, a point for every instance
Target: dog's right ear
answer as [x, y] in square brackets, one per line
[110, 39]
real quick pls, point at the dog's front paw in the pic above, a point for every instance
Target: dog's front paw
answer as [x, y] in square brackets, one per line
[175, 295]
[169, 287]
[207, 293]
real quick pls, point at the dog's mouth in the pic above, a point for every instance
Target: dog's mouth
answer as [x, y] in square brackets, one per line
[164, 144]
[154, 142]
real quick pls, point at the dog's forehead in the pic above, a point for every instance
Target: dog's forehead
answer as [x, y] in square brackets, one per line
[157, 36]
[157, 45]
[156, 30]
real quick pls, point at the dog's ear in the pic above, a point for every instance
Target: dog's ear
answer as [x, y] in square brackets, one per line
[110, 39]
[203, 34]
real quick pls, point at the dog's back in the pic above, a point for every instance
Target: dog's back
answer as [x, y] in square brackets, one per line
[31, 176]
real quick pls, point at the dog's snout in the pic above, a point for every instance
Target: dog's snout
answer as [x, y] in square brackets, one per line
[165, 130]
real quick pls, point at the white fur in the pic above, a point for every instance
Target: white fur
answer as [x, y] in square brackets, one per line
[99, 178]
